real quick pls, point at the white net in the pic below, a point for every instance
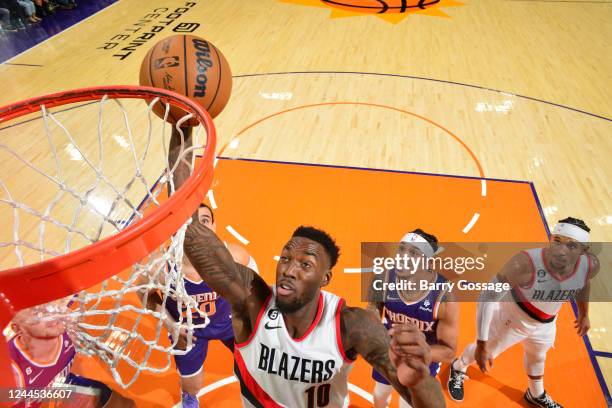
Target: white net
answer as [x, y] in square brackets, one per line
[84, 172]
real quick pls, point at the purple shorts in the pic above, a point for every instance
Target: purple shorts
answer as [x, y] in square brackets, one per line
[104, 392]
[191, 363]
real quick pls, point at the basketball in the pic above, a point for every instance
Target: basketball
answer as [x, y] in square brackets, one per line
[190, 66]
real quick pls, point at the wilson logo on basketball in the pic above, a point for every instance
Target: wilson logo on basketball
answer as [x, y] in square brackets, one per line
[203, 62]
[393, 11]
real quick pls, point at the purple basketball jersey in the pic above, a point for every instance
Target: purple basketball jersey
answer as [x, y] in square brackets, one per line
[35, 375]
[218, 311]
[421, 312]
[215, 307]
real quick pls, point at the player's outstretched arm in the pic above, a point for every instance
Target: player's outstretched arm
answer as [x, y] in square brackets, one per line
[179, 159]
[409, 372]
[244, 289]
[215, 264]
[239, 285]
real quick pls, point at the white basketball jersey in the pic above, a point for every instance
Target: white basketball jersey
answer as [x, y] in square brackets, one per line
[276, 370]
[543, 297]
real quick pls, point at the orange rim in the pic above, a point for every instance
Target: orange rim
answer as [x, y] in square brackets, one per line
[70, 273]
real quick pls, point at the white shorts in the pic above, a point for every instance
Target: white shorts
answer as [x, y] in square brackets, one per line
[510, 325]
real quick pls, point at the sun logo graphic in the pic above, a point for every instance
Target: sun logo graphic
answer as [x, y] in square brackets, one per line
[393, 11]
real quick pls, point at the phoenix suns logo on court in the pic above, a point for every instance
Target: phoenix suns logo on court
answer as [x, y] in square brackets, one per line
[393, 11]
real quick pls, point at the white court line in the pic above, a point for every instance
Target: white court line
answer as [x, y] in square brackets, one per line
[276, 258]
[483, 190]
[471, 223]
[211, 198]
[215, 162]
[217, 384]
[61, 32]
[357, 270]
[237, 235]
[361, 392]
[229, 380]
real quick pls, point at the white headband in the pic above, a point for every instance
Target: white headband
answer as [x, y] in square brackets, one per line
[571, 231]
[419, 242]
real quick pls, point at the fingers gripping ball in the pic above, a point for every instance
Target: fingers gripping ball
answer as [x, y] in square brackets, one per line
[191, 66]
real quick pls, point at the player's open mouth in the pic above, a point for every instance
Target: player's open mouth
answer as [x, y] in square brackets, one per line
[284, 289]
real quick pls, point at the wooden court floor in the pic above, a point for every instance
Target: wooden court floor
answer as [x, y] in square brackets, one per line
[514, 90]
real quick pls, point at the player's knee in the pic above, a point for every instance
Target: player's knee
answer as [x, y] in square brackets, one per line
[534, 362]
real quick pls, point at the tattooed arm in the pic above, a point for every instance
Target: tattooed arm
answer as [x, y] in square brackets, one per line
[244, 289]
[409, 371]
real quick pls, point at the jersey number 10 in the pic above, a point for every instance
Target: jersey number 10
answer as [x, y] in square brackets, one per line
[322, 395]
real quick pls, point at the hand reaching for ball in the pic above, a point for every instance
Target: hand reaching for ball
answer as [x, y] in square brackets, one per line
[409, 353]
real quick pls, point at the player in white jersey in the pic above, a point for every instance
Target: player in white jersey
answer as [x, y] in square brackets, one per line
[295, 343]
[542, 280]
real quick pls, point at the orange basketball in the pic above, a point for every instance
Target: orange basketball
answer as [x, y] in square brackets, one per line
[191, 66]
[380, 6]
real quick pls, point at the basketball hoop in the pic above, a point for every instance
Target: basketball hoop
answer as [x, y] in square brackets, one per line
[102, 240]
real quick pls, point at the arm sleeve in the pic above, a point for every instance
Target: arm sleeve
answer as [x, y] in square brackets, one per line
[487, 303]
[484, 313]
